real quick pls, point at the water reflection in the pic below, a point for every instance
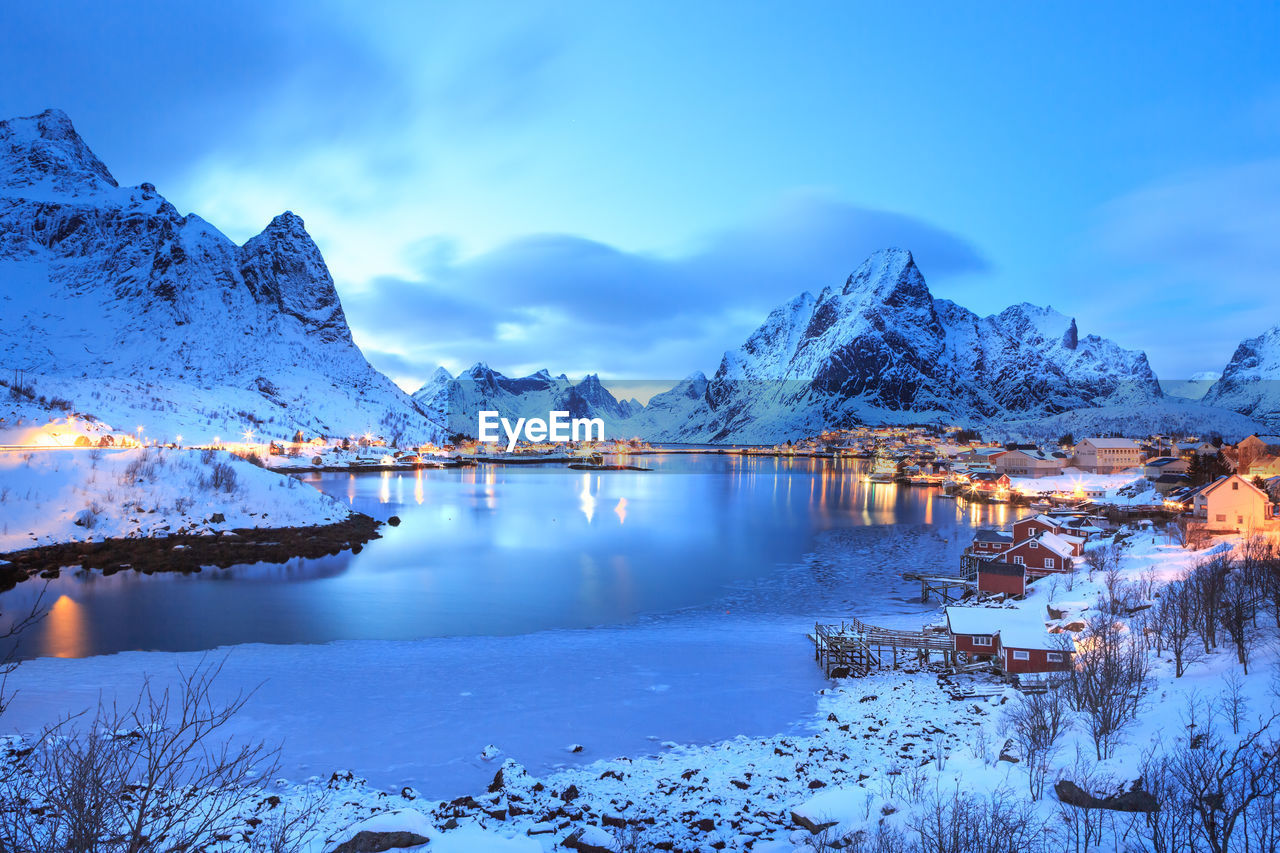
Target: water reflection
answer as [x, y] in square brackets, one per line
[492, 550]
[65, 636]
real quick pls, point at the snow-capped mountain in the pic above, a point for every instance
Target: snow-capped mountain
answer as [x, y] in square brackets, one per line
[1192, 388]
[881, 348]
[128, 311]
[457, 402]
[1250, 383]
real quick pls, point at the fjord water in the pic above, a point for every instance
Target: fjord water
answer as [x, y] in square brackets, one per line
[493, 551]
[532, 608]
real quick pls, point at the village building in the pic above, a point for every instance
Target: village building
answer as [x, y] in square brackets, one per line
[1260, 445]
[1011, 639]
[1231, 504]
[1043, 554]
[989, 481]
[1161, 465]
[988, 543]
[1030, 463]
[1106, 455]
[1028, 649]
[997, 578]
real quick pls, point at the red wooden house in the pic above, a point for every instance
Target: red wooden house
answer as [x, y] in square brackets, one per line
[1042, 554]
[974, 629]
[996, 577]
[1026, 649]
[987, 543]
[1017, 644]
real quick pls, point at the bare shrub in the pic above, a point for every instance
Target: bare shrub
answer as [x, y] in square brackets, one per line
[154, 776]
[220, 478]
[1037, 722]
[968, 823]
[1108, 680]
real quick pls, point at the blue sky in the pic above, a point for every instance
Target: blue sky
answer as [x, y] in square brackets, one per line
[629, 189]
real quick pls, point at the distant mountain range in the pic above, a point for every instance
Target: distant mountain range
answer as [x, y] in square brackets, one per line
[878, 348]
[116, 306]
[126, 310]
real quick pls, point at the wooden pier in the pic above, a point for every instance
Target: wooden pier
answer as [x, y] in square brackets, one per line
[854, 648]
[941, 586]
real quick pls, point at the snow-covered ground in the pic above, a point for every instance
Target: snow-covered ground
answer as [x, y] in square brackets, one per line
[50, 496]
[1124, 488]
[864, 752]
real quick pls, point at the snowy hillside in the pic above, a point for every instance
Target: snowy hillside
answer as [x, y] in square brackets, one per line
[1250, 382]
[53, 496]
[130, 312]
[881, 348]
[457, 402]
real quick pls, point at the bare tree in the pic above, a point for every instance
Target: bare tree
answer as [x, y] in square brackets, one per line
[1228, 787]
[1037, 722]
[1108, 679]
[1103, 557]
[967, 823]
[1236, 613]
[157, 775]
[1205, 581]
[1175, 624]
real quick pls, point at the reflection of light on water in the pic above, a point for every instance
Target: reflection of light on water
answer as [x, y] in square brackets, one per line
[621, 510]
[66, 637]
[384, 494]
[586, 499]
[351, 488]
[417, 487]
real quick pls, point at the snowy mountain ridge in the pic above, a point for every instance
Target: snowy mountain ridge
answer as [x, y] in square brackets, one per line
[1250, 383]
[135, 314]
[882, 348]
[879, 348]
[457, 402]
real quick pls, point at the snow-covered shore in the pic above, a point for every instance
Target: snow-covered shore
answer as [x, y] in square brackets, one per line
[865, 753]
[54, 496]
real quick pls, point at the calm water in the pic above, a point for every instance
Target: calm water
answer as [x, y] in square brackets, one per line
[503, 551]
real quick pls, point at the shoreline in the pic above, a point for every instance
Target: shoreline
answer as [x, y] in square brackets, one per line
[188, 553]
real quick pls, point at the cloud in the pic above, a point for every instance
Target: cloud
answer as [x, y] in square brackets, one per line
[1200, 246]
[577, 305]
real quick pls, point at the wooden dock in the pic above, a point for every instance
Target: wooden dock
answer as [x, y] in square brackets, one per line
[855, 649]
[941, 586]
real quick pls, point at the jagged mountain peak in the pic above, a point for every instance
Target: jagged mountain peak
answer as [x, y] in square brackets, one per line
[283, 266]
[1250, 382]
[889, 276]
[44, 152]
[112, 295]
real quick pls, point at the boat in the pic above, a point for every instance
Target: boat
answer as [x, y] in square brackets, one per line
[883, 470]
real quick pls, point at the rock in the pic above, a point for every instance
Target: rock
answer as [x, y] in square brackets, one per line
[387, 831]
[589, 839]
[377, 842]
[394, 521]
[217, 518]
[1135, 800]
[812, 825]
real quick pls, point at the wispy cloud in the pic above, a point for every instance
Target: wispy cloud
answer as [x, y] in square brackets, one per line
[1196, 255]
[576, 305]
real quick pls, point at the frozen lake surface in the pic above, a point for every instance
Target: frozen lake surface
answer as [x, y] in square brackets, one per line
[531, 608]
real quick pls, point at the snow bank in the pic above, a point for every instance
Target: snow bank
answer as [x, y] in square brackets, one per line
[66, 495]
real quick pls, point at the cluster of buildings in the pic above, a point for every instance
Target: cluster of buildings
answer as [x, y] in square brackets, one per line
[1004, 562]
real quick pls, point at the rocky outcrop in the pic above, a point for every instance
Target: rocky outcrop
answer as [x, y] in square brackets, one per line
[1250, 383]
[138, 314]
[880, 347]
